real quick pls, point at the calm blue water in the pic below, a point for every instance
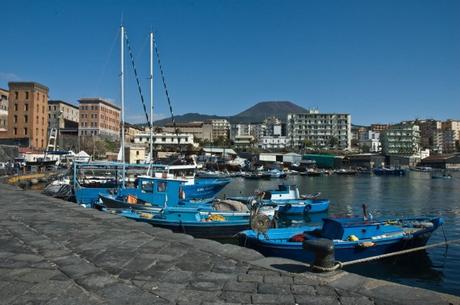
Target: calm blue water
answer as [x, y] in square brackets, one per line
[412, 195]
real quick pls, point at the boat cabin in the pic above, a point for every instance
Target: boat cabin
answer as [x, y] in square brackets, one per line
[158, 190]
[284, 192]
[356, 229]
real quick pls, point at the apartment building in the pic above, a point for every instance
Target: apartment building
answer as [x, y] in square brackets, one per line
[3, 110]
[220, 128]
[321, 130]
[99, 117]
[165, 139]
[62, 114]
[27, 115]
[451, 136]
[401, 139]
[431, 135]
[199, 130]
[379, 127]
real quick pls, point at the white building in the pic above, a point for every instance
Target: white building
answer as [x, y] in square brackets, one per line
[371, 140]
[321, 130]
[273, 142]
[165, 138]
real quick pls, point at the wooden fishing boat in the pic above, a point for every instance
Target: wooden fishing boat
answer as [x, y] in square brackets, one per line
[353, 238]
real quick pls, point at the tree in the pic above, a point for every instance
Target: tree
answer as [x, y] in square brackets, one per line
[365, 148]
[333, 141]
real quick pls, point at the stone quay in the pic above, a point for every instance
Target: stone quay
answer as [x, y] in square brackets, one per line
[56, 252]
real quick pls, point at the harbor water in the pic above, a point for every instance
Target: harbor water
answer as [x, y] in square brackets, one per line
[411, 195]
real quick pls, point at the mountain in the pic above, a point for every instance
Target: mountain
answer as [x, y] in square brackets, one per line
[256, 113]
[262, 110]
[189, 117]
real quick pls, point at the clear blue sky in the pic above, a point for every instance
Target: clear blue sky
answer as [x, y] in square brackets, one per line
[381, 61]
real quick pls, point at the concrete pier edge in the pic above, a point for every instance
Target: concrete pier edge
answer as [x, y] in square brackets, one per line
[56, 252]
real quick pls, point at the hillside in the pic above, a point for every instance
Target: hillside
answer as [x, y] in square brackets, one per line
[189, 117]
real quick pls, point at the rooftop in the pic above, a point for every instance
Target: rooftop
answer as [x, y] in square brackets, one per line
[52, 102]
[27, 84]
[90, 100]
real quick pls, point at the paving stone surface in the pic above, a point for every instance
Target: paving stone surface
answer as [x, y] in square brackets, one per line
[56, 252]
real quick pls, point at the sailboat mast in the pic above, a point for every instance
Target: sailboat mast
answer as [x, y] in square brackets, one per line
[122, 93]
[151, 96]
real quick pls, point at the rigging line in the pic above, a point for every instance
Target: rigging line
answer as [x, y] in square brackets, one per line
[109, 56]
[137, 79]
[165, 87]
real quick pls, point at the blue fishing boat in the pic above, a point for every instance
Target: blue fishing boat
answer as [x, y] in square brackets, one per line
[385, 171]
[198, 223]
[353, 238]
[288, 200]
[160, 202]
[92, 179]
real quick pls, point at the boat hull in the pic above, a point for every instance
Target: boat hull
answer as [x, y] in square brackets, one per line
[295, 251]
[205, 188]
[279, 245]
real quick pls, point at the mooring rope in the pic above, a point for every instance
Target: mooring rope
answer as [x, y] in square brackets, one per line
[339, 265]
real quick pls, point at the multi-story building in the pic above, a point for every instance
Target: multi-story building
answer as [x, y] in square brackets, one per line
[99, 117]
[321, 130]
[273, 142]
[431, 136]
[3, 110]
[131, 131]
[241, 129]
[220, 129]
[200, 130]
[370, 141]
[62, 114]
[165, 139]
[273, 127]
[451, 135]
[401, 139]
[379, 127]
[27, 114]
[64, 117]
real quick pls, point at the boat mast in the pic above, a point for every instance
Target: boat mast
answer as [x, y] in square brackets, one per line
[151, 96]
[122, 93]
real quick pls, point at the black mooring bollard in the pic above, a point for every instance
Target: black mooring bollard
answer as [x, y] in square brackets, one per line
[323, 249]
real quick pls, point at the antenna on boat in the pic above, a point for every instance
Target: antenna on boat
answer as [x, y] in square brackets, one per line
[122, 93]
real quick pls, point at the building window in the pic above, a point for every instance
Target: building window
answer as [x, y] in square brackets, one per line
[26, 107]
[15, 119]
[54, 108]
[16, 94]
[16, 106]
[15, 131]
[27, 95]
[26, 119]
[43, 109]
[25, 131]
